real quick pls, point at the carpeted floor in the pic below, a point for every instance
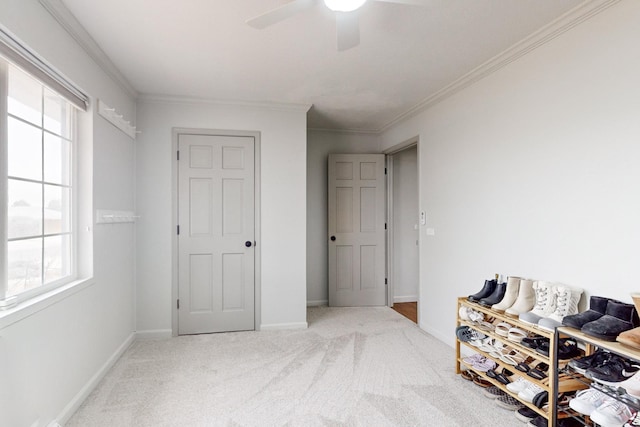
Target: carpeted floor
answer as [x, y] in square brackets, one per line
[352, 367]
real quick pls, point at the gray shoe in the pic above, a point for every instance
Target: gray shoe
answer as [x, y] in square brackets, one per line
[493, 392]
[508, 402]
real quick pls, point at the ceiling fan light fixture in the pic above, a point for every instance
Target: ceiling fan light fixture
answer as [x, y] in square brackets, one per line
[344, 5]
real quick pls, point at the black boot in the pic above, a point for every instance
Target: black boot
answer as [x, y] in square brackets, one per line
[487, 289]
[496, 296]
[597, 309]
[618, 318]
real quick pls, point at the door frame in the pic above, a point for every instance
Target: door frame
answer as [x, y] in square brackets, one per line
[176, 132]
[412, 142]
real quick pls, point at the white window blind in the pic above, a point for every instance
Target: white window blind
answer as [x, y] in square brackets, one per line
[16, 52]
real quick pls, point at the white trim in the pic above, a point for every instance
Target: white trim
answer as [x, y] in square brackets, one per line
[318, 303]
[405, 298]
[65, 18]
[169, 99]
[283, 326]
[449, 340]
[538, 38]
[154, 334]
[42, 301]
[84, 392]
[347, 131]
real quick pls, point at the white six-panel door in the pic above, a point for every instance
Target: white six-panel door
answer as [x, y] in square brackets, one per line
[216, 235]
[356, 226]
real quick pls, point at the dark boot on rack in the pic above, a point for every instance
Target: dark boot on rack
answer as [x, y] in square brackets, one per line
[496, 296]
[597, 308]
[487, 289]
[618, 318]
[631, 338]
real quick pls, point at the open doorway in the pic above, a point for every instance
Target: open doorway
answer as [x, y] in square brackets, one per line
[403, 232]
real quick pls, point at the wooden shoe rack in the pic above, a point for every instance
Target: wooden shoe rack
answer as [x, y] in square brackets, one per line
[553, 383]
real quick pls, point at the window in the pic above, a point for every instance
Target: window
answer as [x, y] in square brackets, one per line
[37, 159]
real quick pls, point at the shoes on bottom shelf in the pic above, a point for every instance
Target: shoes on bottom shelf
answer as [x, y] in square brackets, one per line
[602, 409]
[541, 421]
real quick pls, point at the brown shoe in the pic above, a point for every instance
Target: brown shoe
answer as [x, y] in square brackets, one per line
[630, 338]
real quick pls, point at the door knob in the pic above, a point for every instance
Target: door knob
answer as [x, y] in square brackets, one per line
[248, 244]
[333, 238]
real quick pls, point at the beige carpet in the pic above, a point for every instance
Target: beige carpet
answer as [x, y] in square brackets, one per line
[352, 367]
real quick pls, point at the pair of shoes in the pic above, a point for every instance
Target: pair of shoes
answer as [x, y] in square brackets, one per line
[567, 348]
[468, 375]
[480, 363]
[479, 381]
[487, 289]
[518, 297]
[606, 319]
[602, 409]
[598, 358]
[534, 342]
[614, 371]
[525, 414]
[466, 334]
[508, 402]
[470, 315]
[493, 392]
[553, 303]
[529, 391]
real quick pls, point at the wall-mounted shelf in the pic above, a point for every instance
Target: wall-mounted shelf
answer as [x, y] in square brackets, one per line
[116, 119]
[104, 216]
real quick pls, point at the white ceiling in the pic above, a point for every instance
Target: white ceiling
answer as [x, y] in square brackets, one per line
[204, 49]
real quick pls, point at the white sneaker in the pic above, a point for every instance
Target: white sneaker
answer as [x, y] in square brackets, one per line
[611, 413]
[518, 385]
[631, 385]
[529, 392]
[587, 401]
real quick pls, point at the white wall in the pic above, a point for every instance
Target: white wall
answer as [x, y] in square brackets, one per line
[51, 358]
[533, 170]
[283, 208]
[319, 145]
[405, 221]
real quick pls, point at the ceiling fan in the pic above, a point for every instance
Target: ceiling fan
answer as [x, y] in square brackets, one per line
[346, 11]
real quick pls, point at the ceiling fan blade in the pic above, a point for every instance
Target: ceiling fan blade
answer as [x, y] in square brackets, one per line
[407, 2]
[279, 13]
[347, 30]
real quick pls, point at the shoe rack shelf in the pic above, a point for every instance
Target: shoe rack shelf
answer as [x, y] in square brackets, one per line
[591, 344]
[552, 383]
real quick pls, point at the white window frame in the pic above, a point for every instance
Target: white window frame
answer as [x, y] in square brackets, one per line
[26, 303]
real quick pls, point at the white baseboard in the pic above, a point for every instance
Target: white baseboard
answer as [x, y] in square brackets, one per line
[405, 298]
[84, 392]
[154, 334]
[281, 326]
[449, 340]
[317, 303]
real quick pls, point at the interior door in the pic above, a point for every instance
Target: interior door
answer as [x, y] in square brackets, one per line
[216, 233]
[356, 226]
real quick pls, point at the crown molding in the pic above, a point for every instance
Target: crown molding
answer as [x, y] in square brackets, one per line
[346, 131]
[171, 99]
[65, 18]
[564, 23]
